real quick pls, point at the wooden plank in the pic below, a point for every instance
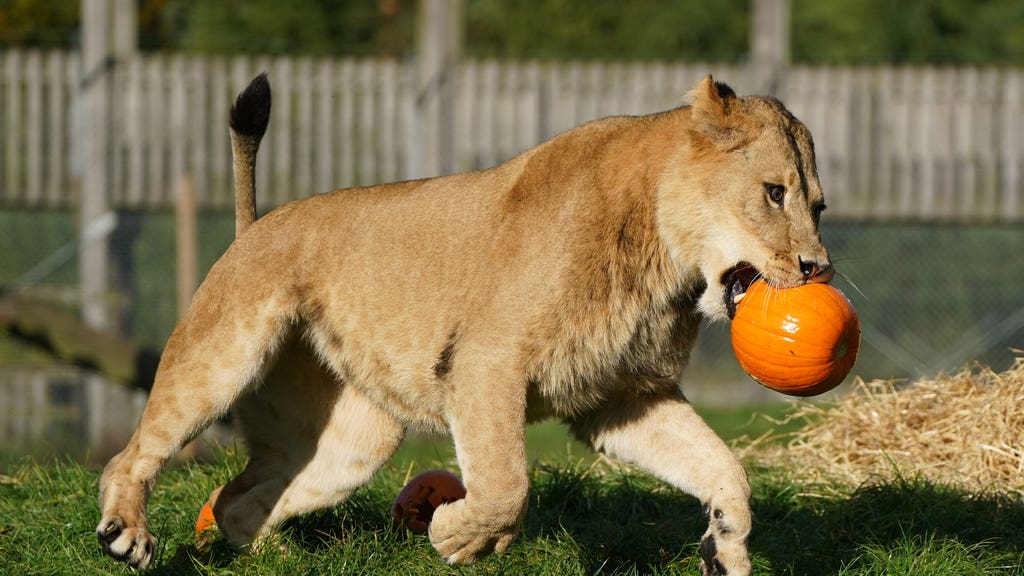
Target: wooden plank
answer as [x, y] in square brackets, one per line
[929, 121]
[664, 95]
[984, 158]
[176, 82]
[301, 165]
[570, 94]
[880, 168]
[505, 112]
[590, 103]
[367, 95]
[133, 143]
[57, 103]
[901, 119]
[1011, 159]
[325, 141]
[346, 125]
[551, 101]
[637, 89]
[116, 131]
[610, 101]
[198, 126]
[217, 136]
[283, 136]
[242, 72]
[155, 114]
[860, 143]
[487, 126]
[73, 152]
[13, 189]
[837, 108]
[186, 228]
[388, 120]
[944, 163]
[465, 112]
[408, 139]
[34, 128]
[528, 133]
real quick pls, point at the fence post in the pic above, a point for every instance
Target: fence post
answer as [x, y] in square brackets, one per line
[95, 90]
[187, 236]
[769, 44]
[437, 53]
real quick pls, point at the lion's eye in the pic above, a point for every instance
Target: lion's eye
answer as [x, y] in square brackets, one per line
[776, 193]
[818, 209]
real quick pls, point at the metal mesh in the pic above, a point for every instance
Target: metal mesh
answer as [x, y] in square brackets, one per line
[930, 298]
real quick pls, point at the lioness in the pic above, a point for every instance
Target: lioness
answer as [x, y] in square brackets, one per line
[568, 282]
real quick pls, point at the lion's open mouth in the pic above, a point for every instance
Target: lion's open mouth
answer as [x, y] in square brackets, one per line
[736, 280]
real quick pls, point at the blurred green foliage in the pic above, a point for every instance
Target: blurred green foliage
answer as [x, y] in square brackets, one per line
[908, 32]
[42, 23]
[607, 29]
[823, 31]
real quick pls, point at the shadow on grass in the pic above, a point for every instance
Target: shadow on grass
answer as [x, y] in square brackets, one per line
[633, 524]
[802, 535]
[618, 523]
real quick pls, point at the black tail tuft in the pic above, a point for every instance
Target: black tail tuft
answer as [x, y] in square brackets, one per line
[251, 112]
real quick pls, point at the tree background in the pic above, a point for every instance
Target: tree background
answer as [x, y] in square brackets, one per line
[823, 31]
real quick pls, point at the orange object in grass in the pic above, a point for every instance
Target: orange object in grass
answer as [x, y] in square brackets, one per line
[800, 341]
[414, 506]
[205, 521]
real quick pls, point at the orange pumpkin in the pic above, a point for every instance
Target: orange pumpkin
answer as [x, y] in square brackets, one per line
[414, 506]
[799, 341]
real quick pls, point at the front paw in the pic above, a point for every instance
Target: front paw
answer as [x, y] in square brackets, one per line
[461, 537]
[723, 558]
[135, 546]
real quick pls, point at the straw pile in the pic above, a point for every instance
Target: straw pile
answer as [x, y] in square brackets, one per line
[965, 429]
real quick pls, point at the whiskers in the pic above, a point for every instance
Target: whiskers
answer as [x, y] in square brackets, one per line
[849, 280]
[769, 301]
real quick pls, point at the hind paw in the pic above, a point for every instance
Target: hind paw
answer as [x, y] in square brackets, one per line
[134, 546]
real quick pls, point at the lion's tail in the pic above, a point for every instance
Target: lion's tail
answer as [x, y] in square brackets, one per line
[249, 118]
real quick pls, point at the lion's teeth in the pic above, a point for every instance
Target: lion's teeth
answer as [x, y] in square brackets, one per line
[736, 299]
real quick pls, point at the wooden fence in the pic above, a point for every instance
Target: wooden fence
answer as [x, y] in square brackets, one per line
[893, 143]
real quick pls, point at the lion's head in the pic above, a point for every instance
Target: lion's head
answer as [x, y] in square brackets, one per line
[743, 200]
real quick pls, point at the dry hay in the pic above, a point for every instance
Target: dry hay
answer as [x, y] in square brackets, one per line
[964, 429]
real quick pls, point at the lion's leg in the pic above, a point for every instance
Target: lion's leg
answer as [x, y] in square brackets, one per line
[666, 437]
[211, 358]
[311, 445]
[486, 413]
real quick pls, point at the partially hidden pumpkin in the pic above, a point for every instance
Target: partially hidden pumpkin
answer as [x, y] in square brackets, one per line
[414, 506]
[205, 521]
[800, 341]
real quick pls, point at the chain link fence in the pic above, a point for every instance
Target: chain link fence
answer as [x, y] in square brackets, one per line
[931, 298]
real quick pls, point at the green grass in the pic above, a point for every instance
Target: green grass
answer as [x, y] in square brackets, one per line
[583, 518]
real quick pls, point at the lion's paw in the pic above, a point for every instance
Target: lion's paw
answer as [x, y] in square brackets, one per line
[462, 539]
[135, 546]
[721, 558]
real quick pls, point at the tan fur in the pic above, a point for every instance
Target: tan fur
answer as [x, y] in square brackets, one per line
[568, 282]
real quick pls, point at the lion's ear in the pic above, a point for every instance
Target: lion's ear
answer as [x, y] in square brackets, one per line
[711, 104]
[711, 101]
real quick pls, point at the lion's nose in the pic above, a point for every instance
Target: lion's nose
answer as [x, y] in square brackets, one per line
[816, 271]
